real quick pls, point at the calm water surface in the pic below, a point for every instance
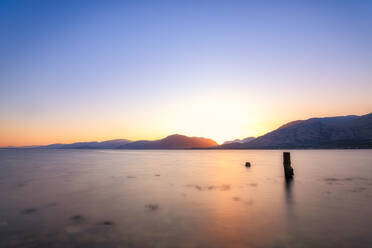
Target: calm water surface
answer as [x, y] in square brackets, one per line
[184, 198]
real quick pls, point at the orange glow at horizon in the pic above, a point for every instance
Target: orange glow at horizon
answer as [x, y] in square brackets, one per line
[151, 70]
[201, 116]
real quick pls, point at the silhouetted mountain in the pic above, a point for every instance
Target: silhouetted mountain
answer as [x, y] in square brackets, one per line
[175, 141]
[239, 140]
[109, 144]
[330, 132]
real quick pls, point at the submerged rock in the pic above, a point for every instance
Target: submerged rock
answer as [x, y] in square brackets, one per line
[223, 187]
[107, 223]
[152, 207]
[77, 218]
[29, 211]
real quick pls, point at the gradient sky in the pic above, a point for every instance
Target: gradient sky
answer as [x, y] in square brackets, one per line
[96, 70]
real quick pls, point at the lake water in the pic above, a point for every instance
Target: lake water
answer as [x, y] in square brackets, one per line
[184, 198]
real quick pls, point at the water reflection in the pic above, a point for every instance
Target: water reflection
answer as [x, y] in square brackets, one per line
[202, 199]
[291, 221]
[288, 184]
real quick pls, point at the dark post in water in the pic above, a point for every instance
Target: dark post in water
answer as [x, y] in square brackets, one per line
[288, 170]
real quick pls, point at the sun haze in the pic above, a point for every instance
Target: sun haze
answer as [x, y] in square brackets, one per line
[144, 70]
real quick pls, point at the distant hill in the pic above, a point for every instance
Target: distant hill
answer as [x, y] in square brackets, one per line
[171, 142]
[175, 141]
[109, 144]
[331, 132]
[239, 140]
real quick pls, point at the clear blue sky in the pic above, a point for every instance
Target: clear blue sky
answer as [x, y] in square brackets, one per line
[94, 70]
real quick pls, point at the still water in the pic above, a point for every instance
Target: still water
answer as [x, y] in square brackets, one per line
[184, 198]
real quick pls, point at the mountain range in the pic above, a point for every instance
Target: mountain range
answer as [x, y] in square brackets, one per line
[175, 141]
[331, 132]
[350, 131]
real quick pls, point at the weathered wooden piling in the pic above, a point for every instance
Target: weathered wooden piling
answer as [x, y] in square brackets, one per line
[247, 164]
[288, 170]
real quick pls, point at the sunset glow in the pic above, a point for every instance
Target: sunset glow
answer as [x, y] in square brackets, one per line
[178, 123]
[146, 71]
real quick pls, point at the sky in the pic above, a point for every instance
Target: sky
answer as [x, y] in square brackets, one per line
[97, 70]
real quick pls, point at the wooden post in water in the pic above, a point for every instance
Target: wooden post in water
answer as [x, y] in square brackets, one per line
[288, 170]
